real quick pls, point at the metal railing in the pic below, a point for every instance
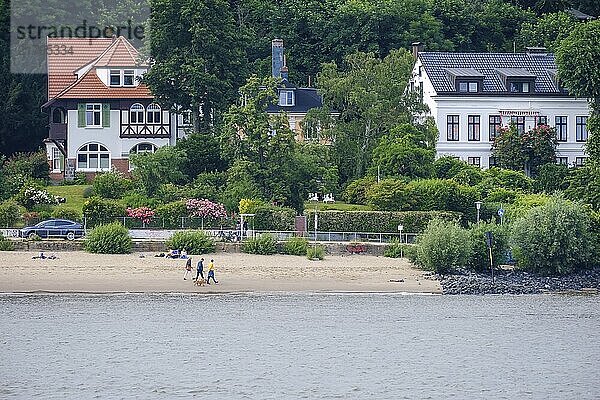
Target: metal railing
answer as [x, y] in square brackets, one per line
[344, 237]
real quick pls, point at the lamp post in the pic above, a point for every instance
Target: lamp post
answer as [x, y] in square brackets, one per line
[478, 205]
[314, 197]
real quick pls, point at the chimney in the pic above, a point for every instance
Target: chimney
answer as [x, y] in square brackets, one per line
[536, 51]
[417, 47]
[276, 57]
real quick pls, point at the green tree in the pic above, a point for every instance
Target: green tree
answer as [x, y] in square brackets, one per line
[196, 57]
[154, 169]
[579, 71]
[202, 153]
[584, 184]
[548, 31]
[407, 150]
[371, 98]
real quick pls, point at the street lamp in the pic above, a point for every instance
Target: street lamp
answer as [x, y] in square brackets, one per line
[400, 227]
[478, 205]
[314, 197]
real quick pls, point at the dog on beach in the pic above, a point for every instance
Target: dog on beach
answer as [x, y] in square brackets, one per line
[199, 282]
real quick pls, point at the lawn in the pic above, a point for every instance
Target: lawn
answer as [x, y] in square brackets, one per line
[337, 206]
[73, 194]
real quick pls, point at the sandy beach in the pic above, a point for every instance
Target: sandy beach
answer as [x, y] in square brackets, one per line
[142, 272]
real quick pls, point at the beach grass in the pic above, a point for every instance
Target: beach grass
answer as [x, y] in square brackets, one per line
[72, 193]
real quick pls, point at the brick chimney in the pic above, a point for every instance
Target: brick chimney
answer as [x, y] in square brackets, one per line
[277, 62]
[417, 47]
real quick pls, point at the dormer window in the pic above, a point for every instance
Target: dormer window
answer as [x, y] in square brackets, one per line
[115, 77]
[286, 98]
[128, 77]
[468, 86]
[520, 87]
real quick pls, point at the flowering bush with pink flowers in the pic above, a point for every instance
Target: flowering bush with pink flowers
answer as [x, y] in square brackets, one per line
[205, 208]
[144, 214]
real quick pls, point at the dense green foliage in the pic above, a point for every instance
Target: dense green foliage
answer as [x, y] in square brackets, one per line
[98, 211]
[109, 239]
[261, 244]
[479, 259]
[274, 218]
[110, 185]
[443, 247]
[9, 213]
[554, 238]
[295, 246]
[194, 242]
[5, 244]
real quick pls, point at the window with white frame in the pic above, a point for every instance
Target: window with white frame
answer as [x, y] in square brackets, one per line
[286, 98]
[186, 118]
[128, 77]
[93, 115]
[136, 114]
[562, 160]
[581, 133]
[115, 77]
[153, 114]
[56, 159]
[141, 148]
[93, 156]
[579, 161]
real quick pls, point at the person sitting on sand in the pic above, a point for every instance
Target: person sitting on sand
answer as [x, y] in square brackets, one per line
[211, 272]
[188, 268]
[183, 254]
[40, 255]
[172, 253]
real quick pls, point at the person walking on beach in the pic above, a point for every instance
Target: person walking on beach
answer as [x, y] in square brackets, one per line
[200, 269]
[188, 268]
[211, 272]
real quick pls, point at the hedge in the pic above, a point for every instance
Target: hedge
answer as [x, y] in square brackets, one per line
[377, 221]
[98, 211]
[274, 219]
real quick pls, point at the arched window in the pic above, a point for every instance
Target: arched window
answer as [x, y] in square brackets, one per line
[58, 116]
[142, 148]
[153, 114]
[93, 156]
[136, 114]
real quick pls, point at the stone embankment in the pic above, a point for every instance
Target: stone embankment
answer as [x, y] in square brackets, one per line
[518, 282]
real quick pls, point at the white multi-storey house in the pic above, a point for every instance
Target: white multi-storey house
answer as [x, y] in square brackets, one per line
[99, 111]
[471, 95]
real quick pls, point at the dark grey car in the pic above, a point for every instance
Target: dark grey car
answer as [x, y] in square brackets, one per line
[54, 228]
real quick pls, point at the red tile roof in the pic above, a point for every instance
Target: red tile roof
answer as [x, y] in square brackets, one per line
[68, 55]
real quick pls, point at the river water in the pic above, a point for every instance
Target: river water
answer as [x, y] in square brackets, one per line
[299, 346]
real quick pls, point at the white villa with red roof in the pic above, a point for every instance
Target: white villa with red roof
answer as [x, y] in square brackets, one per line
[99, 111]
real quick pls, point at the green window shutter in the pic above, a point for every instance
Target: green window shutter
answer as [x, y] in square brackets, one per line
[61, 162]
[80, 115]
[105, 115]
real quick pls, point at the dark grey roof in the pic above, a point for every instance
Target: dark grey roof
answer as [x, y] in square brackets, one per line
[464, 72]
[305, 99]
[579, 15]
[491, 65]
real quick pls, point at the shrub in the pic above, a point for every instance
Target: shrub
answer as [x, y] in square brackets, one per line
[505, 178]
[143, 214]
[169, 192]
[376, 221]
[135, 200]
[295, 246]
[274, 218]
[29, 165]
[34, 237]
[356, 191]
[31, 217]
[480, 258]
[9, 213]
[98, 211]
[387, 195]
[249, 206]
[315, 253]
[171, 213]
[5, 244]
[443, 247]
[501, 195]
[66, 213]
[262, 244]
[31, 195]
[208, 185]
[194, 242]
[442, 195]
[88, 192]
[111, 185]
[109, 239]
[80, 178]
[447, 167]
[551, 178]
[553, 239]
[523, 204]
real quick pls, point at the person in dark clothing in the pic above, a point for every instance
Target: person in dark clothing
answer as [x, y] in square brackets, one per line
[200, 269]
[188, 268]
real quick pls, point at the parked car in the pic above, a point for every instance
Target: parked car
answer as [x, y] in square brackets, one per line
[54, 228]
